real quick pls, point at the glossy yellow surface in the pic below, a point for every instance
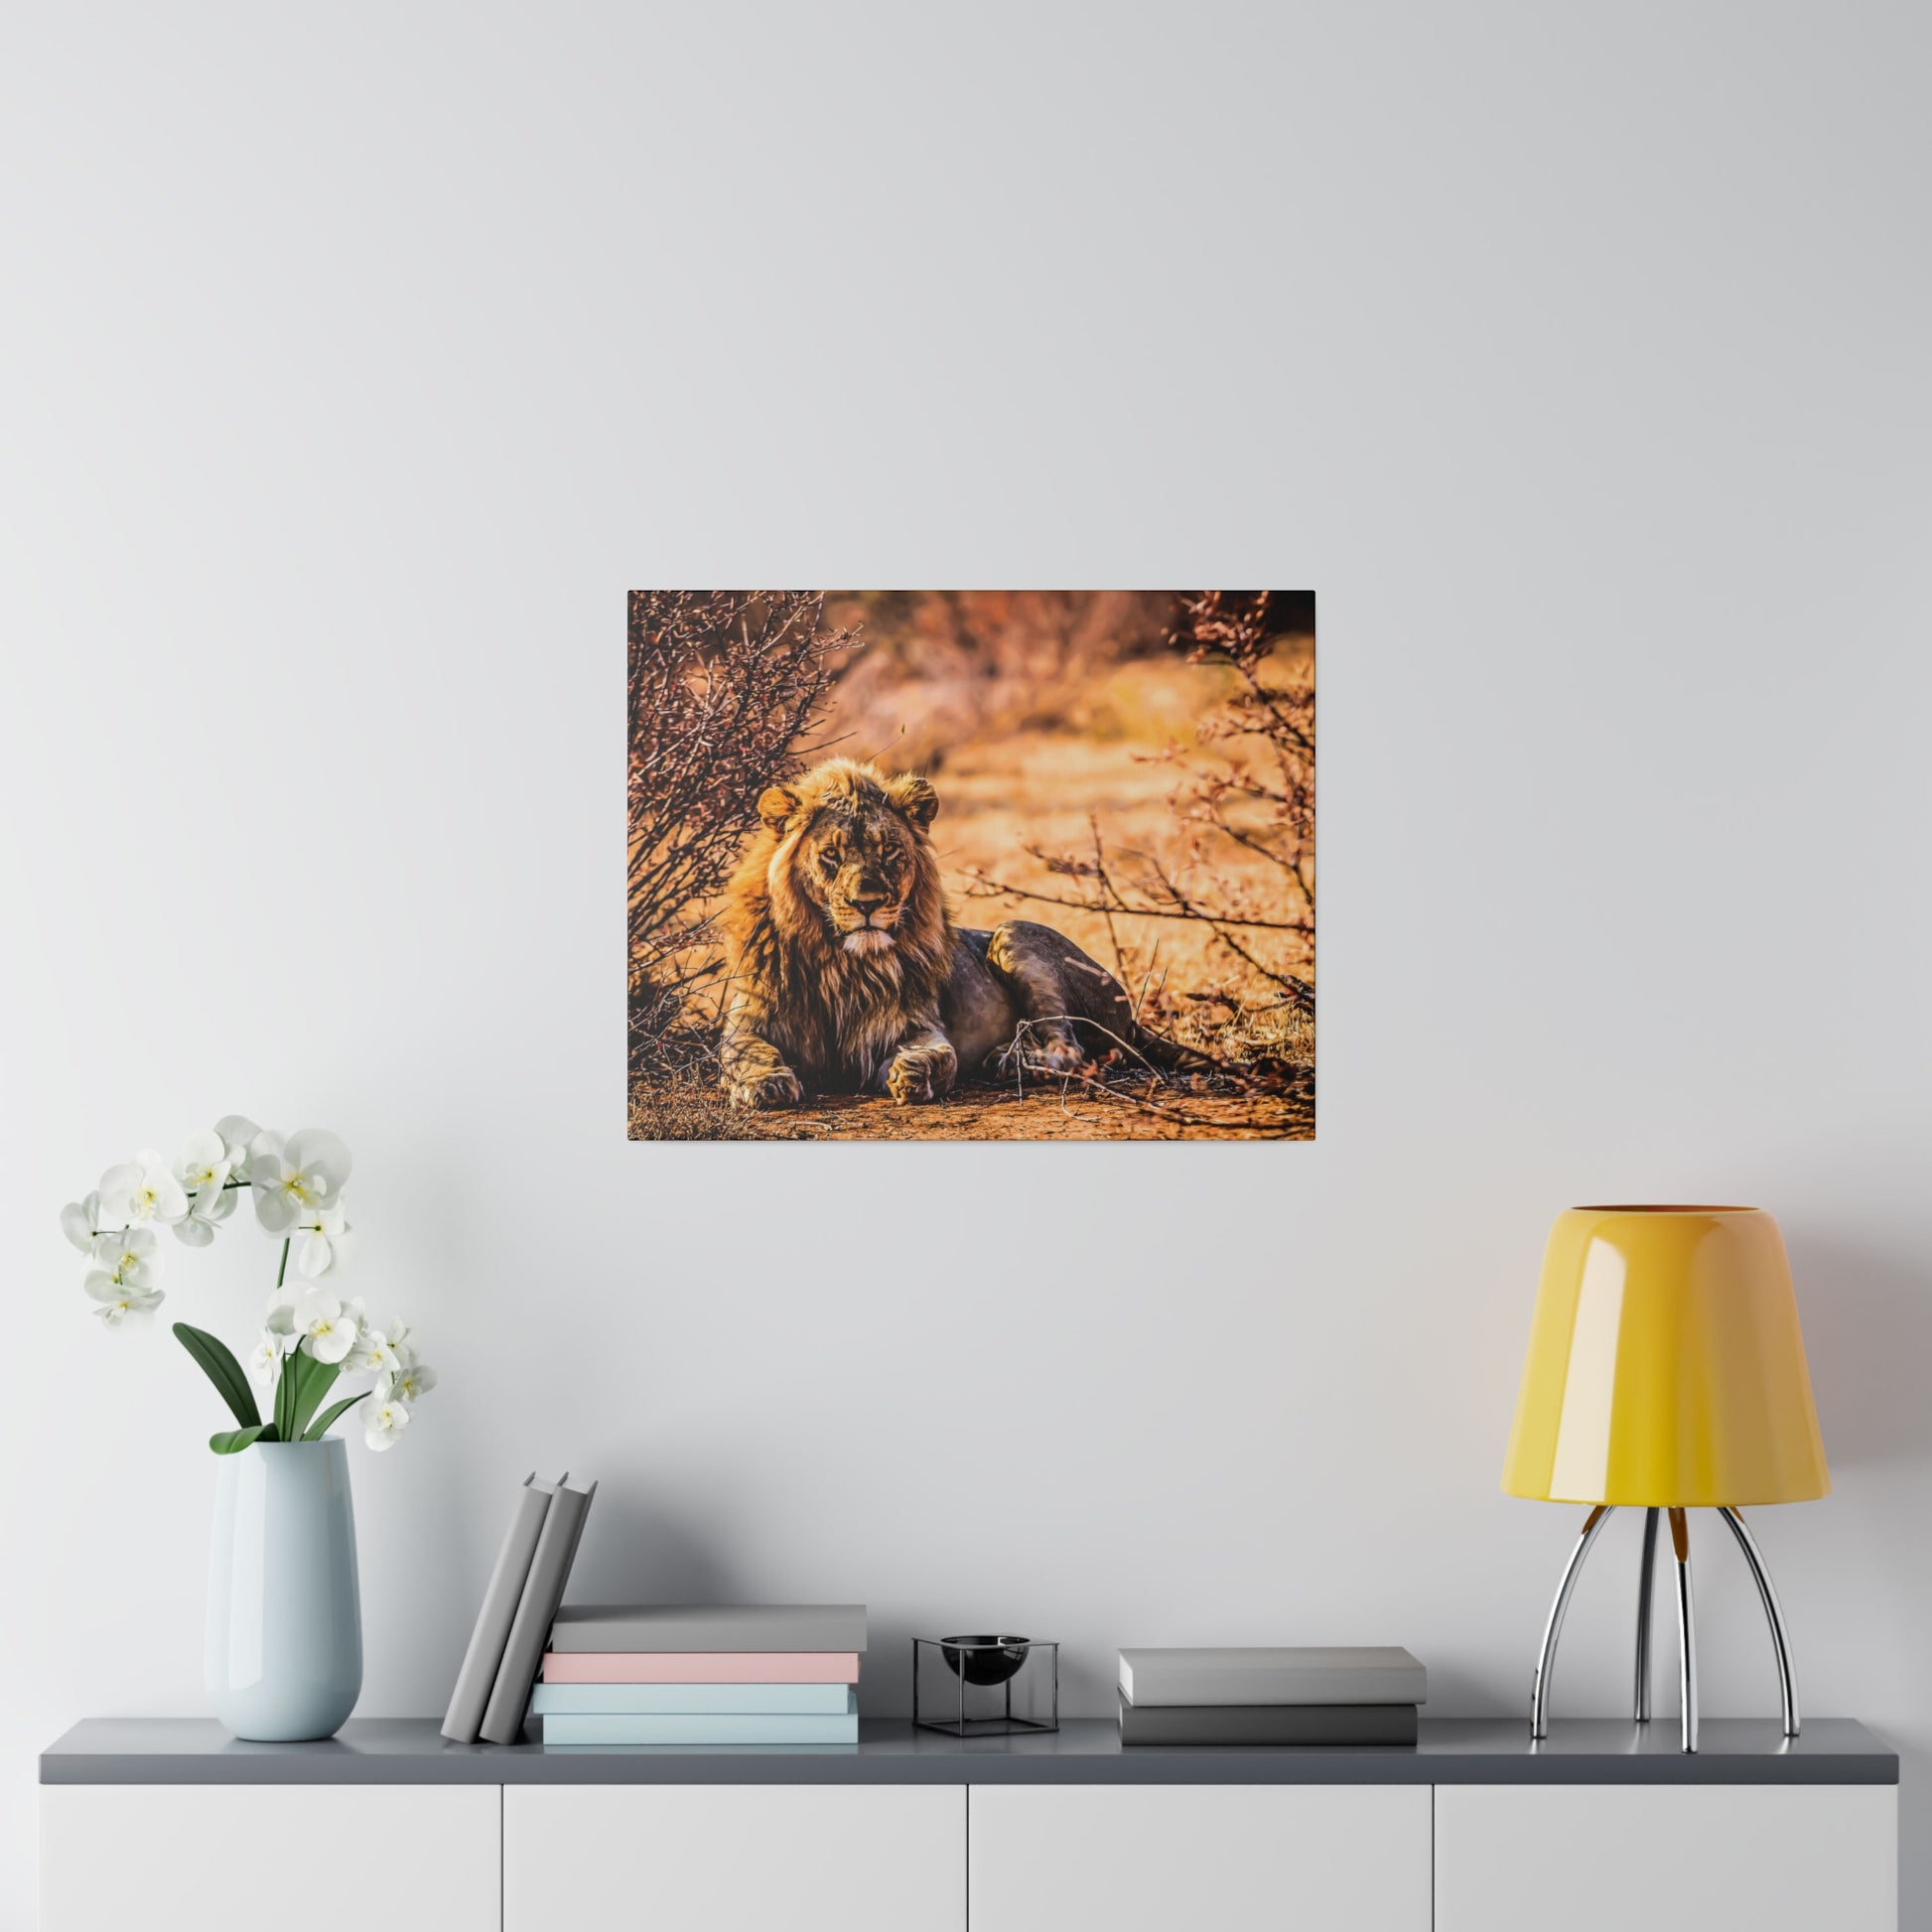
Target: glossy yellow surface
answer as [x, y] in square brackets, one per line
[1666, 1367]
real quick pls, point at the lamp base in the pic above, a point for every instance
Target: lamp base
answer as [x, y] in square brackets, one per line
[1687, 1653]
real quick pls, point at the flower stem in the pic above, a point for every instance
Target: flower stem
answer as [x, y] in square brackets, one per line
[282, 1270]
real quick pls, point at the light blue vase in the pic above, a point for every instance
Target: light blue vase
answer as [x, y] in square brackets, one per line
[284, 1656]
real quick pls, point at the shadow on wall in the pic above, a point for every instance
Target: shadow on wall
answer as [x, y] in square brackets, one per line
[639, 1550]
[1867, 1318]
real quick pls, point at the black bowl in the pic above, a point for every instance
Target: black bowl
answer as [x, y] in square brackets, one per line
[983, 1660]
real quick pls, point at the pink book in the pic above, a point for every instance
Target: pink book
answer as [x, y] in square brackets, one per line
[700, 1667]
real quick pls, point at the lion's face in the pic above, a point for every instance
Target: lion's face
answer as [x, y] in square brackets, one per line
[852, 853]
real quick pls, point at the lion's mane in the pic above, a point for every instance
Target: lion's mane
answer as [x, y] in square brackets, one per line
[836, 1012]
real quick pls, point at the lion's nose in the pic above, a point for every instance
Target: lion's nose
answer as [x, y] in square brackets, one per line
[868, 901]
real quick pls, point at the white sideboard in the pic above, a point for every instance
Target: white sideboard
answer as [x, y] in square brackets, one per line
[1165, 1857]
[742, 1858]
[189, 1858]
[1605, 1858]
[171, 1827]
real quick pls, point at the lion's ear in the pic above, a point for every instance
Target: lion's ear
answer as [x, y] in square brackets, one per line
[777, 807]
[915, 799]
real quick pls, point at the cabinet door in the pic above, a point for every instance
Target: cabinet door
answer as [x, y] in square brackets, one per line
[1667, 1858]
[186, 1858]
[734, 1857]
[1200, 1857]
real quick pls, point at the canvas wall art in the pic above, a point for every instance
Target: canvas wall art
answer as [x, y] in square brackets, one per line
[971, 865]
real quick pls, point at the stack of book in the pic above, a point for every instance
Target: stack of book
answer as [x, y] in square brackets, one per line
[1302, 1696]
[492, 1689]
[658, 1674]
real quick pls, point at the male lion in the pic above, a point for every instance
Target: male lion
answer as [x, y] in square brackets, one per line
[848, 975]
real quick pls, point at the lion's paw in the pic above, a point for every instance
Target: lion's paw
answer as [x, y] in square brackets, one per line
[779, 1088]
[1056, 1051]
[921, 1076]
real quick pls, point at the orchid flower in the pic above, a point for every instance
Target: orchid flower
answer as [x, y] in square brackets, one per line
[323, 1328]
[373, 1352]
[409, 1384]
[141, 1190]
[128, 1255]
[120, 1303]
[80, 1222]
[322, 1242]
[296, 1184]
[303, 1175]
[210, 1209]
[239, 1135]
[383, 1422]
[203, 1164]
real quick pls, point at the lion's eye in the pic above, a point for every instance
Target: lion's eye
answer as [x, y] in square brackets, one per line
[830, 861]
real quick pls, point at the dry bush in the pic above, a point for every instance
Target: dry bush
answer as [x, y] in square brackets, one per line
[1239, 866]
[945, 668]
[727, 688]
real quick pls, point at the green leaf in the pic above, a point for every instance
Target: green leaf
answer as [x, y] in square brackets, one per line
[231, 1441]
[333, 1414]
[222, 1368]
[284, 1395]
[313, 1381]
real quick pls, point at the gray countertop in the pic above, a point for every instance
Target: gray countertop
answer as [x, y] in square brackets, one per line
[410, 1750]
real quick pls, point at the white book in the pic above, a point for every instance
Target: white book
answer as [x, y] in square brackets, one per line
[1296, 1674]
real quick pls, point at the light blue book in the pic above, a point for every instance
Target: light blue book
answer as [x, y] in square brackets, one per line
[695, 1700]
[702, 1727]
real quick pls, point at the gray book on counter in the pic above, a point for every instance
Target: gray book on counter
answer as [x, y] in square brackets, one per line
[1299, 1674]
[543, 1591]
[1267, 1723]
[685, 1627]
[478, 1675]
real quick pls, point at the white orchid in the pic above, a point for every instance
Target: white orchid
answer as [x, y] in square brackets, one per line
[316, 1322]
[408, 1384]
[238, 1133]
[209, 1211]
[290, 1179]
[323, 1243]
[80, 1221]
[265, 1359]
[141, 1190]
[383, 1421]
[400, 1333]
[296, 1184]
[371, 1354]
[121, 1304]
[128, 1255]
[204, 1164]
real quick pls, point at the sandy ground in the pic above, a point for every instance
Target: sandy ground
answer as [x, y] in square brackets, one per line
[998, 1114]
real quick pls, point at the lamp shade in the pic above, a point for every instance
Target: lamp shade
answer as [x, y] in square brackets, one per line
[1666, 1368]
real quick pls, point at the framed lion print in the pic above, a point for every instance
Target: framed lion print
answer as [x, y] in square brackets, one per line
[971, 865]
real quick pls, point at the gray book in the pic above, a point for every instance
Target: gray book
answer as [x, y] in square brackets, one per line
[478, 1677]
[700, 1627]
[1302, 1674]
[1267, 1723]
[543, 1590]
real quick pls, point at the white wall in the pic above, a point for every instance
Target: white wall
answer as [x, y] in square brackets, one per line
[356, 362]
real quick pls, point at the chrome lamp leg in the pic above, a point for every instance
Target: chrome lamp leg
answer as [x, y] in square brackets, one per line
[1686, 1638]
[1774, 1615]
[1545, 1657]
[1646, 1576]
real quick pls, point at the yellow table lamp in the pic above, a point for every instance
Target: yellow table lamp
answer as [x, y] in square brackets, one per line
[1666, 1371]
